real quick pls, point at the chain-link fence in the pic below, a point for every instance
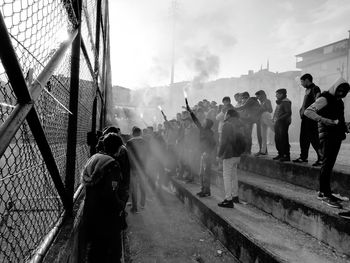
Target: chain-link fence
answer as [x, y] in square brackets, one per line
[42, 35]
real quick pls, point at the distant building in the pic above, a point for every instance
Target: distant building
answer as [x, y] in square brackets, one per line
[326, 63]
[121, 95]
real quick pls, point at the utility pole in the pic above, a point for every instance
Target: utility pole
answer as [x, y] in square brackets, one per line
[174, 9]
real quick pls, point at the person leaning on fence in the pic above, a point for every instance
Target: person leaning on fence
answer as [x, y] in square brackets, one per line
[231, 147]
[207, 147]
[101, 177]
[308, 129]
[328, 111]
[282, 119]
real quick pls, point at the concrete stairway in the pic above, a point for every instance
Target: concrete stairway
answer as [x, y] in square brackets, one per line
[280, 219]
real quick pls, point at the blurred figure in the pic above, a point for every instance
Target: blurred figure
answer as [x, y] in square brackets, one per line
[238, 99]
[249, 113]
[221, 116]
[101, 177]
[230, 151]
[207, 146]
[308, 129]
[328, 111]
[138, 154]
[282, 119]
[265, 120]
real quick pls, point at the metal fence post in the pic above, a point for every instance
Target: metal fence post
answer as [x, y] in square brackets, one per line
[73, 107]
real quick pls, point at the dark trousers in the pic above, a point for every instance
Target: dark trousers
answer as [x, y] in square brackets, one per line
[282, 138]
[205, 172]
[309, 134]
[248, 128]
[137, 183]
[330, 149]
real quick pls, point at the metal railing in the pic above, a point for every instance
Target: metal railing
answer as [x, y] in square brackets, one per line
[54, 78]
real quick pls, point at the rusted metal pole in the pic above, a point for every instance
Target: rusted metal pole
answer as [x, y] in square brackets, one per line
[73, 118]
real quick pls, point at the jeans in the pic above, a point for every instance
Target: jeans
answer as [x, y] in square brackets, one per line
[282, 138]
[265, 123]
[230, 177]
[309, 134]
[205, 172]
[330, 148]
[137, 183]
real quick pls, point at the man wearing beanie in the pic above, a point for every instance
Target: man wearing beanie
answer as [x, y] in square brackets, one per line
[282, 119]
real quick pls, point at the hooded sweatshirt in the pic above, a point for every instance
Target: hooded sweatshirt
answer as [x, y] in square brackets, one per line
[283, 111]
[327, 106]
[102, 205]
[206, 135]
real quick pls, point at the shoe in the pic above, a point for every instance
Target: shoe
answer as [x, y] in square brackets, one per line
[345, 215]
[199, 193]
[226, 203]
[321, 196]
[285, 159]
[317, 163]
[204, 194]
[235, 199]
[300, 160]
[340, 197]
[277, 157]
[332, 202]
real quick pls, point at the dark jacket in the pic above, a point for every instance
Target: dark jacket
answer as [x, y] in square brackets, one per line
[229, 130]
[124, 163]
[309, 98]
[138, 150]
[334, 110]
[100, 177]
[250, 111]
[206, 135]
[283, 111]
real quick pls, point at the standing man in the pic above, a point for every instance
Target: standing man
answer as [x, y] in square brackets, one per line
[231, 147]
[138, 151]
[282, 119]
[328, 111]
[308, 129]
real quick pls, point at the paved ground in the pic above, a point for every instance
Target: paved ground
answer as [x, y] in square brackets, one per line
[165, 232]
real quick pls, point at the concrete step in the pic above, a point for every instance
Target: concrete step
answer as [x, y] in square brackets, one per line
[251, 234]
[298, 174]
[298, 207]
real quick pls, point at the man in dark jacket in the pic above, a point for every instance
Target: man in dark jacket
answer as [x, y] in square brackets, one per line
[250, 113]
[328, 111]
[308, 129]
[138, 150]
[102, 207]
[207, 146]
[282, 119]
[228, 151]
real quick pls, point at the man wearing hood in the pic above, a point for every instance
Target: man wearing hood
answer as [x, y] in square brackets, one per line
[328, 111]
[206, 148]
[282, 119]
[102, 207]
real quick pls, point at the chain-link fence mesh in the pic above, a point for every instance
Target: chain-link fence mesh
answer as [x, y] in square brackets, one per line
[29, 202]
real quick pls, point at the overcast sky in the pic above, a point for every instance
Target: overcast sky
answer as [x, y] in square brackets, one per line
[225, 38]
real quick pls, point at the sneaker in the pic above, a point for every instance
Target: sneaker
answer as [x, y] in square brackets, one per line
[277, 157]
[226, 203]
[317, 163]
[321, 196]
[345, 215]
[235, 200]
[285, 159]
[300, 160]
[199, 193]
[204, 194]
[332, 202]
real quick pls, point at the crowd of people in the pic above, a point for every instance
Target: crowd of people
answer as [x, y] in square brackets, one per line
[201, 137]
